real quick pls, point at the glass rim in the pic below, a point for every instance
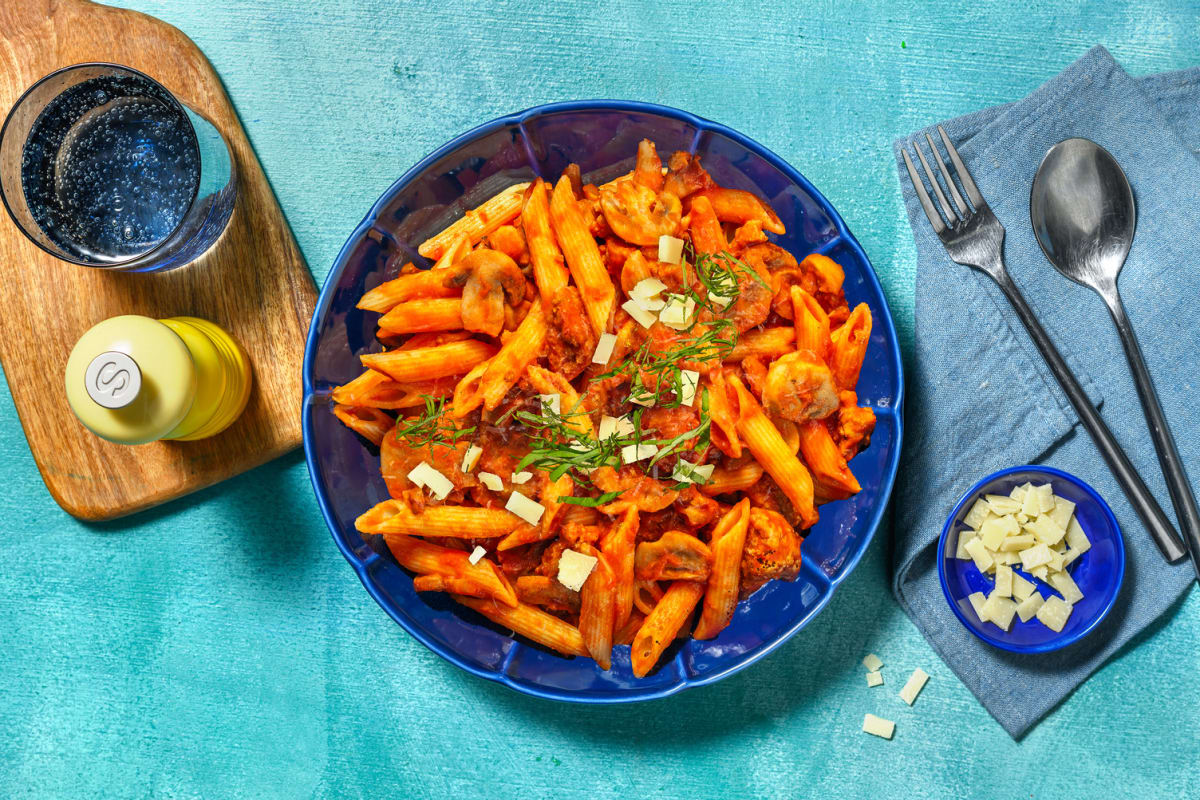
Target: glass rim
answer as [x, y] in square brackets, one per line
[176, 104]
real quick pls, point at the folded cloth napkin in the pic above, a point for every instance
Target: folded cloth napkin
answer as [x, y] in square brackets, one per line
[980, 396]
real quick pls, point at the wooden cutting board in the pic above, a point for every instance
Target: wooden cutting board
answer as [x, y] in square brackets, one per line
[253, 282]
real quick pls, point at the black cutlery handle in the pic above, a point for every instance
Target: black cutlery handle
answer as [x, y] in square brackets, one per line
[1182, 497]
[1140, 498]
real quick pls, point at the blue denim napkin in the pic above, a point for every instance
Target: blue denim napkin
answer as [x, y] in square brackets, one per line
[980, 396]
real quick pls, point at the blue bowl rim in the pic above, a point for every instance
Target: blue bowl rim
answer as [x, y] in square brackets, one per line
[1060, 641]
[702, 125]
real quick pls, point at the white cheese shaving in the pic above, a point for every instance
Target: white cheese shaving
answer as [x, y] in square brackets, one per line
[552, 402]
[670, 249]
[476, 554]
[491, 481]
[914, 685]
[720, 301]
[1054, 613]
[1066, 586]
[878, 726]
[978, 601]
[637, 452]
[1004, 581]
[1002, 505]
[529, 510]
[642, 399]
[604, 348]
[1021, 588]
[574, 568]
[519, 478]
[983, 561]
[678, 311]
[960, 552]
[872, 662]
[999, 610]
[874, 679]
[977, 515]
[437, 483]
[1029, 607]
[643, 317]
[647, 287]
[1035, 557]
[689, 379]
[471, 457]
[685, 472]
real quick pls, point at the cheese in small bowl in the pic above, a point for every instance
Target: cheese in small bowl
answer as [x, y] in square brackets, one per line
[1031, 559]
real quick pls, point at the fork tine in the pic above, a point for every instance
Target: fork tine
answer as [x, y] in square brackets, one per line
[935, 219]
[964, 176]
[937, 156]
[937, 188]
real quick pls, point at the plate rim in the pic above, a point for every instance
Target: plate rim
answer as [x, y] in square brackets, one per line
[325, 299]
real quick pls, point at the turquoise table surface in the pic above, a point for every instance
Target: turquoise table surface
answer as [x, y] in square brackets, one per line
[221, 647]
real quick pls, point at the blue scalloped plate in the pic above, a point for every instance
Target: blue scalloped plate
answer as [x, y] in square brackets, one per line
[601, 136]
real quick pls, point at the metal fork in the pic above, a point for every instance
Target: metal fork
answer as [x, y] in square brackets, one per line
[974, 237]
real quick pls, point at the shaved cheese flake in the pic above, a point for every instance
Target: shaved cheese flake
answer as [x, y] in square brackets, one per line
[604, 348]
[1002, 505]
[685, 472]
[978, 601]
[1035, 557]
[670, 249]
[977, 515]
[878, 726]
[1063, 513]
[608, 426]
[689, 379]
[529, 510]
[647, 287]
[1000, 610]
[642, 399]
[1029, 607]
[1076, 538]
[872, 662]
[874, 679]
[552, 402]
[615, 426]
[720, 301]
[643, 317]
[437, 483]
[979, 553]
[1004, 581]
[960, 552]
[476, 554]
[471, 457]
[1045, 529]
[574, 568]
[1067, 587]
[1021, 588]
[1045, 497]
[519, 478]
[491, 481]
[1054, 613]
[637, 452]
[678, 311]
[914, 685]
[994, 531]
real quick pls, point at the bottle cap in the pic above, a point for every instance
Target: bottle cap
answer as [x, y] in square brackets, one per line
[113, 379]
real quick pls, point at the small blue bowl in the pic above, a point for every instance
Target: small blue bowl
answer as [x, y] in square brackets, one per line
[601, 136]
[1098, 572]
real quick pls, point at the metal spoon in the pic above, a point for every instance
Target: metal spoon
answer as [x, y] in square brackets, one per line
[1084, 216]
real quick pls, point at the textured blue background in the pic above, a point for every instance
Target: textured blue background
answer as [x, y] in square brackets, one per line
[220, 646]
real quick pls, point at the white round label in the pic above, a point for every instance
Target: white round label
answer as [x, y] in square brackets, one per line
[113, 379]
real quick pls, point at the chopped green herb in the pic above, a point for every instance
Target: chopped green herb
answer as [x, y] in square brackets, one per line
[431, 428]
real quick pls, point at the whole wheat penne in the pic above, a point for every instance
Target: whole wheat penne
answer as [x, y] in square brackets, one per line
[549, 272]
[518, 352]
[769, 449]
[424, 315]
[426, 283]
[483, 580]
[478, 222]
[597, 607]
[456, 522]
[582, 255]
[720, 597]
[705, 228]
[830, 470]
[547, 382]
[735, 205]
[727, 481]
[768, 343]
[811, 323]
[532, 623]
[848, 347]
[619, 548]
[370, 423]
[663, 623]
[427, 363]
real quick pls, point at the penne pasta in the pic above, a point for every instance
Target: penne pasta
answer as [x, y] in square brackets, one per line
[766, 343]
[720, 597]
[532, 623]
[811, 323]
[662, 625]
[547, 382]
[375, 390]
[549, 272]
[619, 548]
[424, 315]
[597, 608]
[516, 354]
[737, 206]
[723, 416]
[456, 522]
[582, 256]
[425, 283]
[830, 470]
[706, 228]
[370, 423]
[478, 222]
[727, 481]
[848, 347]
[451, 568]
[769, 449]
[426, 363]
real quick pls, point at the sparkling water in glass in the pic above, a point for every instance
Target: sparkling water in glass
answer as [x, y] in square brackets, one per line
[100, 165]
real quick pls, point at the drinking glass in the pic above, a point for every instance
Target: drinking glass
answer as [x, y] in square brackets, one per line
[101, 166]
